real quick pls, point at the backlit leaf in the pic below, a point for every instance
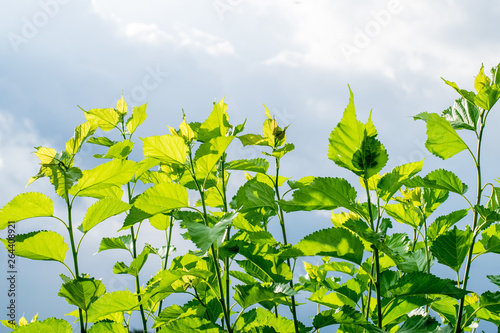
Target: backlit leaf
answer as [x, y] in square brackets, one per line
[162, 198]
[101, 210]
[442, 139]
[217, 123]
[82, 132]
[341, 315]
[255, 194]
[452, 247]
[322, 193]
[439, 179]
[332, 242]
[208, 154]
[204, 236]
[462, 115]
[421, 283]
[391, 182]
[119, 150]
[106, 119]
[247, 295]
[166, 148]
[256, 165]
[122, 242]
[24, 206]
[111, 302]
[107, 326]
[112, 173]
[137, 118]
[82, 291]
[49, 325]
[40, 245]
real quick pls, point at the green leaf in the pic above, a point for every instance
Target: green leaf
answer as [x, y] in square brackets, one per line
[82, 292]
[112, 173]
[400, 307]
[259, 318]
[421, 283]
[341, 315]
[322, 193]
[102, 141]
[490, 239]
[391, 182]
[168, 149]
[452, 247]
[102, 210]
[420, 324]
[106, 119]
[106, 327]
[40, 245]
[247, 295]
[162, 198]
[404, 213]
[439, 179]
[217, 123]
[490, 301]
[112, 302]
[204, 236]
[49, 325]
[209, 153]
[190, 324]
[442, 139]
[121, 106]
[122, 242]
[332, 300]
[444, 223]
[255, 194]
[261, 263]
[24, 206]
[253, 140]
[119, 150]
[279, 153]
[353, 145]
[494, 279]
[413, 261]
[160, 221]
[136, 264]
[137, 118]
[63, 179]
[462, 115]
[255, 165]
[82, 132]
[333, 242]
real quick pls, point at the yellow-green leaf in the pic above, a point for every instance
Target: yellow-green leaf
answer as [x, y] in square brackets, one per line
[25, 206]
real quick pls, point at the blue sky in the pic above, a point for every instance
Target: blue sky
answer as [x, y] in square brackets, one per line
[295, 56]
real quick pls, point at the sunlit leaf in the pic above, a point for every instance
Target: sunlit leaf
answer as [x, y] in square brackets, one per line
[40, 245]
[208, 154]
[322, 193]
[256, 165]
[391, 182]
[255, 194]
[107, 326]
[332, 242]
[111, 302]
[166, 148]
[204, 236]
[82, 292]
[82, 132]
[442, 139]
[247, 295]
[439, 179]
[106, 119]
[122, 242]
[102, 210]
[119, 150]
[451, 247]
[137, 118]
[217, 123]
[462, 115]
[24, 206]
[49, 325]
[421, 283]
[162, 198]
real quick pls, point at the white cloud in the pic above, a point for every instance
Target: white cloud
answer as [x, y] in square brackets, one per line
[149, 33]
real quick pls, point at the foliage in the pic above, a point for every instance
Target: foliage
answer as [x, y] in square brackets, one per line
[242, 277]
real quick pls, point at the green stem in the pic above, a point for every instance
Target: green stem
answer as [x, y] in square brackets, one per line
[228, 230]
[165, 263]
[74, 252]
[375, 256]
[370, 286]
[134, 256]
[212, 248]
[283, 231]
[477, 160]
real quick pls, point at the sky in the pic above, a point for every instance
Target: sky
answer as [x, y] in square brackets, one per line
[297, 57]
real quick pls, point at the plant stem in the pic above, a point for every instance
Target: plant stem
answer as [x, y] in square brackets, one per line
[375, 256]
[283, 230]
[74, 252]
[169, 239]
[228, 230]
[134, 256]
[212, 248]
[458, 326]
